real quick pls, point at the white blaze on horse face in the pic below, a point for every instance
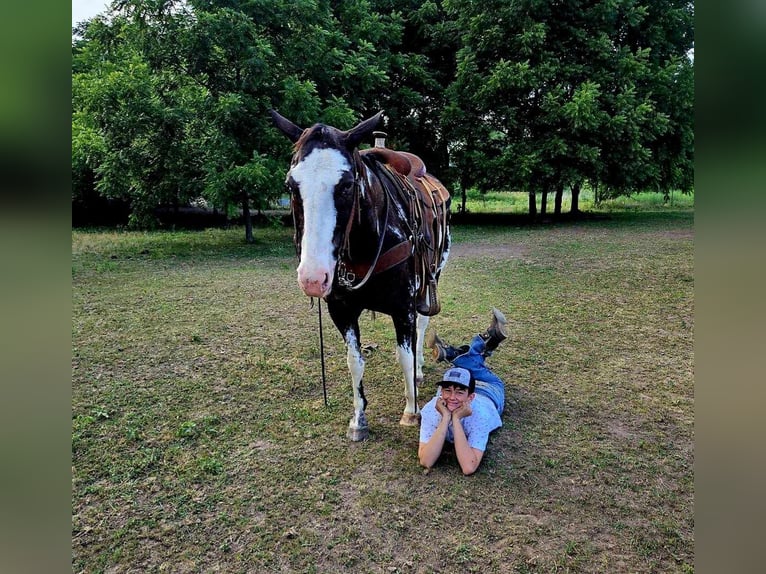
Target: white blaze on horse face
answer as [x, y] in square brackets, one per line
[316, 176]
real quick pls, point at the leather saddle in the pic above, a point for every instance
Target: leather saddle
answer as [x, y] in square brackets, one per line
[428, 202]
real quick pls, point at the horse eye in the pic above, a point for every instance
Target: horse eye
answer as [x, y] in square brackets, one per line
[344, 184]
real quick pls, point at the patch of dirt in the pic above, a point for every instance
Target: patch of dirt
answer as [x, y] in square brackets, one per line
[677, 233]
[619, 430]
[487, 250]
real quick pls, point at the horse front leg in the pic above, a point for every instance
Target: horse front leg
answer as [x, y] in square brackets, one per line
[358, 429]
[405, 337]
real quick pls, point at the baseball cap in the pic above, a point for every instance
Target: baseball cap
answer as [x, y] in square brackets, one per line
[460, 377]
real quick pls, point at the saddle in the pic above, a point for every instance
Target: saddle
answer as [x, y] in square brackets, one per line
[428, 202]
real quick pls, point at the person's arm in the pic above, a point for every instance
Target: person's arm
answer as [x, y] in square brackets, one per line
[429, 452]
[468, 457]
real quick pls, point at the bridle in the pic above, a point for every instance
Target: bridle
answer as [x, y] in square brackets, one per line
[347, 269]
[345, 273]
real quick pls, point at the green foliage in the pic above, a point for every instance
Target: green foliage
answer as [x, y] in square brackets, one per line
[546, 98]
[171, 98]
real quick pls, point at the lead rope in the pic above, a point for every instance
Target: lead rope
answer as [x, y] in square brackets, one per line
[321, 352]
[319, 304]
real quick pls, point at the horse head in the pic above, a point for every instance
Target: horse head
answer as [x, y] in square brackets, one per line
[322, 184]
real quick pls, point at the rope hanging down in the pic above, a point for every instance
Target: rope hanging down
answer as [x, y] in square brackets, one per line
[321, 352]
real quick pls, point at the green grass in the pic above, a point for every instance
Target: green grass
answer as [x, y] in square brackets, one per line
[518, 203]
[201, 443]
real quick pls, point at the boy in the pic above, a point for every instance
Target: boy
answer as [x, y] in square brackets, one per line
[469, 400]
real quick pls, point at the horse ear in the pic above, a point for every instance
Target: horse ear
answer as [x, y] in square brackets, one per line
[287, 127]
[355, 135]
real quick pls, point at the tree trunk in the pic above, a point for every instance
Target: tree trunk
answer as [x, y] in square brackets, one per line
[576, 197]
[558, 199]
[462, 193]
[247, 218]
[544, 203]
[532, 205]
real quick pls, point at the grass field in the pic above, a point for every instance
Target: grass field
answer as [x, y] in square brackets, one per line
[201, 442]
[518, 203]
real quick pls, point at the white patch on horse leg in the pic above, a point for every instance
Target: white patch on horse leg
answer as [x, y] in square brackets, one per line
[316, 176]
[411, 415]
[445, 255]
[422, 326]
[355, 362]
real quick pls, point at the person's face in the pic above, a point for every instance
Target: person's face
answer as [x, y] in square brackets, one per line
[455, 397]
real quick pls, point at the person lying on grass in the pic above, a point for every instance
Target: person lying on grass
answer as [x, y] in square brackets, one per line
[469, 400]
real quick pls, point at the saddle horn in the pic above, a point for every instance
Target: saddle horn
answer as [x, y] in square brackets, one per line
[287, 127]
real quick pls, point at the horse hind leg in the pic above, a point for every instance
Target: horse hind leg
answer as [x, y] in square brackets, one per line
[419, 360]
[406, 358]
[423, 320]
[358, 429]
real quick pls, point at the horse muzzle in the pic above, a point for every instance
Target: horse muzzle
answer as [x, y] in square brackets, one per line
[316, 282]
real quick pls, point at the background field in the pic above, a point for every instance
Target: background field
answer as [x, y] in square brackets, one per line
[201, 442]
[518, 203]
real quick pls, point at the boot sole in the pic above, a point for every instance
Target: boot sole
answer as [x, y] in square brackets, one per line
[501, 321]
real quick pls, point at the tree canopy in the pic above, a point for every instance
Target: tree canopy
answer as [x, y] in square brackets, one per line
[171, 97]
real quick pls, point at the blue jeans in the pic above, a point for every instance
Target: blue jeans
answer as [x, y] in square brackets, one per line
[471, 357]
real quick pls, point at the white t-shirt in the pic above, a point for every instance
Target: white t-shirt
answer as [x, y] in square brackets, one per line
[483, 420]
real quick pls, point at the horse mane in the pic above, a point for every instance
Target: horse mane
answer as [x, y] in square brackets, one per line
[317, 132]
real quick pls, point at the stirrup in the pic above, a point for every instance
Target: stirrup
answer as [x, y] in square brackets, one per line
[428, 301]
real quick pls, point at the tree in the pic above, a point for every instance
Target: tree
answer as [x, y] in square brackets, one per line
[142, 114]
[421, 65]
[548, 95]
[171, 97]
[179, 92]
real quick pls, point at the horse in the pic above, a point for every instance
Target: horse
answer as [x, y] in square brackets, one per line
[371, 233]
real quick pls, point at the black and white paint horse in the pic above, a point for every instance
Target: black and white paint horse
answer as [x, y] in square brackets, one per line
[354, 236]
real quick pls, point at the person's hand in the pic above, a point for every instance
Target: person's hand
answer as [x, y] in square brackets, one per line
[462, 411]
[441, 407]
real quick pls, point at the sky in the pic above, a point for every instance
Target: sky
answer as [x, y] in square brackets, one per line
[84, 9]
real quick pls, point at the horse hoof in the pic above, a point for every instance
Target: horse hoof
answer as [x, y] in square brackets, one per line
[419, 380]
[357, 434]
[410, 420]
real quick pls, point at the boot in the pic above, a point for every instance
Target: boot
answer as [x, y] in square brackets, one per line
[497, 332]
[437, 346]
